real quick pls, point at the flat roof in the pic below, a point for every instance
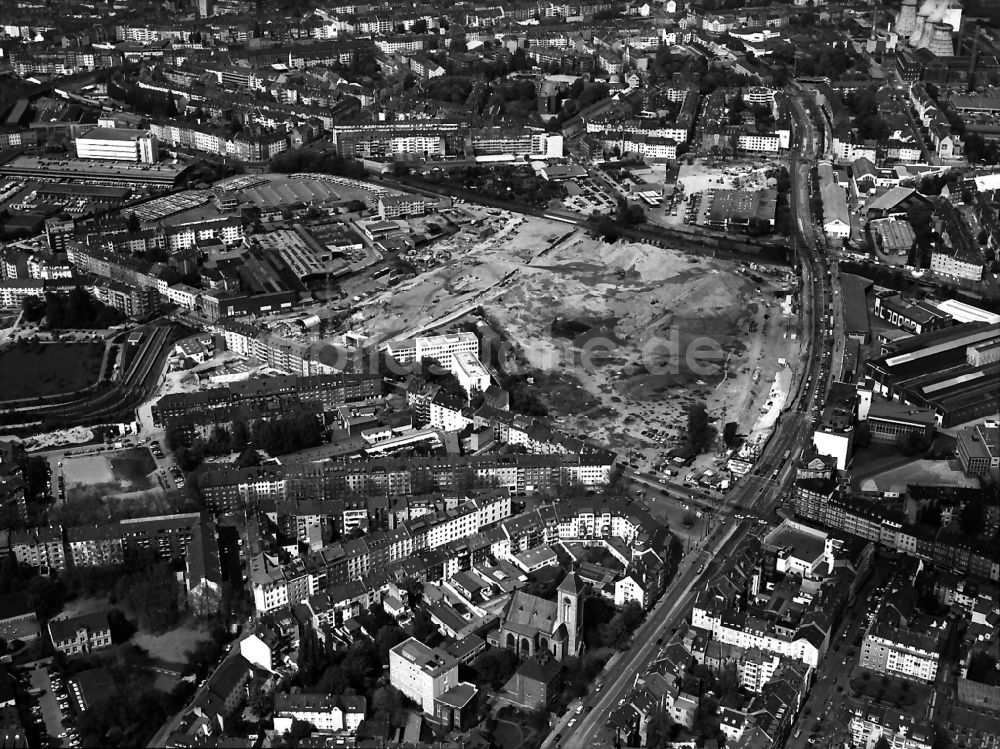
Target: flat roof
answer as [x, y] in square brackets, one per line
[805, 546]
[855, 304]
[36, 167]
[112, 133]
[895, 411]
[458, 696]
[961, 312]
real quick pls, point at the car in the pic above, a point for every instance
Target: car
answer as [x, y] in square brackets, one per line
[571, 723]
[579, 709]
[621, 702]
[598, 687]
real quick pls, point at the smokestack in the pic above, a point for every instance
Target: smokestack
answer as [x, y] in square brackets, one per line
[918, 29]
[940, 43]
[906, 19]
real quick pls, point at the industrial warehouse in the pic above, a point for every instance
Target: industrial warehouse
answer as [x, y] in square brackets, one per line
[953, 371]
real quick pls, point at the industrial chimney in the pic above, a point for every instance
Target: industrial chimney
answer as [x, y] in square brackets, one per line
[940, 43]
[906, 19]
[918, 29]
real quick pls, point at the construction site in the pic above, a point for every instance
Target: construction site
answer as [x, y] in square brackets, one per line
[614, 337]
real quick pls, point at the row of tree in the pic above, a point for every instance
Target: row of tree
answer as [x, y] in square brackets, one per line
[322, 162]
[78, 309]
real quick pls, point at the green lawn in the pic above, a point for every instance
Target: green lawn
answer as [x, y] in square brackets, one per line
[41, 369]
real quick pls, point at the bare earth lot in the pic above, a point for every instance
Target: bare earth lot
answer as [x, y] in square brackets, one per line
[115, 473]
[619, 337]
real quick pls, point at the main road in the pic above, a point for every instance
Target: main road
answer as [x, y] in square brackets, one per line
[759, 493]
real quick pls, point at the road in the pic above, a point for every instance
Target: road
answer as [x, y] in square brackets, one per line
[759, 493]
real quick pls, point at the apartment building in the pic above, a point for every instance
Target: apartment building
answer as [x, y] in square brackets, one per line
[403, 206]
[748, 631]
[78, 635]
[95, 545]
[42, 548]
[13, 291]
[957, 265]
[326, 713]
[894, 651]
[869, 723]
[421, 673]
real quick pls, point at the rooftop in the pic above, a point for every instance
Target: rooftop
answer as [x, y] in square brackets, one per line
[432, 661]
[112, 133]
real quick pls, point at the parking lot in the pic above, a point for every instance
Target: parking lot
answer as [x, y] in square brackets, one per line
[53, 711]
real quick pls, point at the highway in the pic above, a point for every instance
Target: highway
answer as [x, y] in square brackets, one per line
[757, 493]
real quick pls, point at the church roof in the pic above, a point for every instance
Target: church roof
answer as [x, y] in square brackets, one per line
[572, 584]
[528, 614]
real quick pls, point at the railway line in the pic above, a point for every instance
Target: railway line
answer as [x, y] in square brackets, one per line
[113, 403]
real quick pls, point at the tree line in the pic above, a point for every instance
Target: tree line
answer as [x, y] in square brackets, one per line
[77, 309]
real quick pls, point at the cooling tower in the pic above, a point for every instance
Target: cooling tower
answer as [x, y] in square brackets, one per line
[906, 19]
[918, 29]
[926, 35]
[939, 43]
[952, 15]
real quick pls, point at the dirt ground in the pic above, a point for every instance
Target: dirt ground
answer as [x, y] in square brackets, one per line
[617, 337]
[629, 335]
[481, 263]
[114, 473]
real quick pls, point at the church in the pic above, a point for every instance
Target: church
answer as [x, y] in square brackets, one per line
[530, 625]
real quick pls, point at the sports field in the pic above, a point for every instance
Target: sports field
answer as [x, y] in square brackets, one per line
[39, 369]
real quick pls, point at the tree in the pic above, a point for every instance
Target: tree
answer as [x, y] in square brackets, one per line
[300, 730]
[729, 434]
[387, 702]
[151, 595]
[239, 436]
[699, 433]
[424, 628]
[862, 435]
[333, 681]
[32, 308]
[261, 702]
[658, 729]
[312, 660]
[883, 743]
[387, 638]
[494, 668]
[972, 518]
[910, 443]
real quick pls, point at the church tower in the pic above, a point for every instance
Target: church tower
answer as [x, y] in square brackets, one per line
[570, 600]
